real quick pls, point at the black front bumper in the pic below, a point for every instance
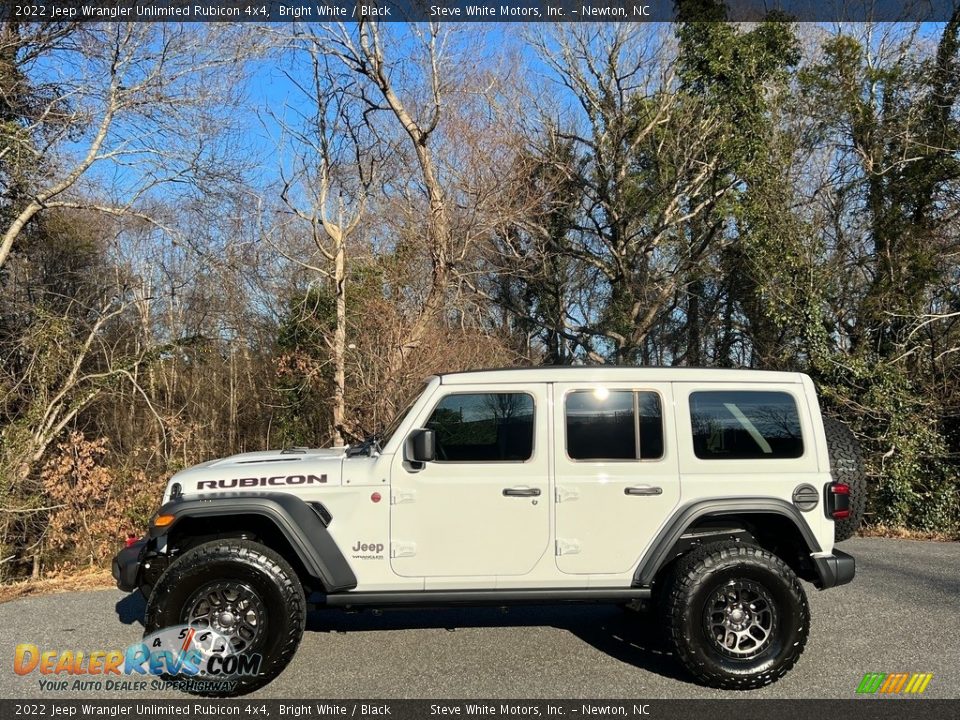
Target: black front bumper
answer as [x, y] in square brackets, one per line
[836, 569]
[126, 565]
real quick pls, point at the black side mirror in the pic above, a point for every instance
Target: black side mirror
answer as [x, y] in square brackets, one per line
[421, 445]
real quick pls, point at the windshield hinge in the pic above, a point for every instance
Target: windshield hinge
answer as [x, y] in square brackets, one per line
[565, 494]
[403, 549]
[568, 547]
[403, 496]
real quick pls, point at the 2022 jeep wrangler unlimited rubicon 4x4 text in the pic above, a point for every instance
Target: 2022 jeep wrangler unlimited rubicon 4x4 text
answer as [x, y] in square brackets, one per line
[710, 493]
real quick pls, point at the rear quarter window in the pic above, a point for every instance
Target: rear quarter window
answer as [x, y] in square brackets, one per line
[745, 425]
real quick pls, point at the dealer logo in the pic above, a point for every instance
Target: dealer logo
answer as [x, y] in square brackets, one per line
[174, 655]
[894, 683]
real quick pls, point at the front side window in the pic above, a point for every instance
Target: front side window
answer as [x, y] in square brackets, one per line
[745, 425]
[483, 427]
[613, 425]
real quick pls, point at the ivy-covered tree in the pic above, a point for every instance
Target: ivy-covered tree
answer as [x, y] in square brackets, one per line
[890, 121]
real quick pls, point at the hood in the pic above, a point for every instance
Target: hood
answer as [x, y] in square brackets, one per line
[271, 470]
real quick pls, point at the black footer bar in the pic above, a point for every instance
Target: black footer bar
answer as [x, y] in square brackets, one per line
[867, 708]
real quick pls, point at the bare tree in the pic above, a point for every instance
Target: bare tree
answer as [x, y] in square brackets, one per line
[144, 98]
[334, 165]
[365, 54]
[649, 172]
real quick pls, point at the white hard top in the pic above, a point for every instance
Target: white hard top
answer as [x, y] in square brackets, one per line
[605, 373]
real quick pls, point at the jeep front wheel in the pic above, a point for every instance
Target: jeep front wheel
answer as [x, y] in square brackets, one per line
[238, 591]
[738, 616]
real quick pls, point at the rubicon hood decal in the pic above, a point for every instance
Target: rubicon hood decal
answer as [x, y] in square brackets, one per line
[309, 471]
[261, 481]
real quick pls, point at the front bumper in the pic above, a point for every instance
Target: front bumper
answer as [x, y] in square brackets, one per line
[835, 569]
[126, 565]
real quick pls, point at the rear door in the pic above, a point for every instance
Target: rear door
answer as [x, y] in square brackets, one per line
[482, 508]
[616, 473]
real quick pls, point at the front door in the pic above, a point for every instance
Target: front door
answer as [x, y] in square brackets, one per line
[482, 508]
[616, 473]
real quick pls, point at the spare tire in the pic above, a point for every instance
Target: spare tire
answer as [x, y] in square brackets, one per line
[846, 466]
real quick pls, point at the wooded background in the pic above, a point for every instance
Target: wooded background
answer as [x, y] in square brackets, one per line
[221, 238]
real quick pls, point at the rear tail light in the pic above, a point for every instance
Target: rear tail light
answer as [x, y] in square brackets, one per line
[838, 501]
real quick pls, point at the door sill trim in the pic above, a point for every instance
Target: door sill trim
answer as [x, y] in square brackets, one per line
[434, 598]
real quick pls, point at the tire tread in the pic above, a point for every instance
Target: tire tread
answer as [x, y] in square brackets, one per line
[247, 552]
[846, 466]
[690, 573]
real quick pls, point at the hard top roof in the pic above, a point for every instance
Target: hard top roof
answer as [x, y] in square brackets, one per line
[612, 373]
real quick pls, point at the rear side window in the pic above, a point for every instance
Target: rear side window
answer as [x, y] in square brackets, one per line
[483, 427]
[745, 425]
[613, 425]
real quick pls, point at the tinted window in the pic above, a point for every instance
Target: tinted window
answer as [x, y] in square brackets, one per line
[745, 425]
[603, 425]
[651, 425]
[489, 427]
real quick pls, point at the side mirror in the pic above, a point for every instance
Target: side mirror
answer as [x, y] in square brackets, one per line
[421, 445]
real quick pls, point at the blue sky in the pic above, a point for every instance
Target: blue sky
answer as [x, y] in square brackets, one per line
[270, 87]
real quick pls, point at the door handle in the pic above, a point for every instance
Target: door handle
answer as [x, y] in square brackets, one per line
[521, 492]
[643, 490]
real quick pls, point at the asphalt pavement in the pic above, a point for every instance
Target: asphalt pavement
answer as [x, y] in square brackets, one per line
[900, 614]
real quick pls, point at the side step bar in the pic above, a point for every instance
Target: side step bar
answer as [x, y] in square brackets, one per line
[435, 598]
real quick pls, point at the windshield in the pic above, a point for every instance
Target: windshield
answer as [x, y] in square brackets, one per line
[391, 428]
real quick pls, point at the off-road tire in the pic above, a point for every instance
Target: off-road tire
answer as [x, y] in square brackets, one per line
[260, 569]
[846, 466]
[690, 587]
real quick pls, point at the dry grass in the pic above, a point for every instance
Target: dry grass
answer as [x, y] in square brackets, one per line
[883, 531]
[90, 579]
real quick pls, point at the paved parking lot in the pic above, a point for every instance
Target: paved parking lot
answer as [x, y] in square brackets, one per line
[901, 614]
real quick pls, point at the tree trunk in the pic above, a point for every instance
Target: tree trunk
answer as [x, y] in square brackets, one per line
[694, 341]
[340, 345]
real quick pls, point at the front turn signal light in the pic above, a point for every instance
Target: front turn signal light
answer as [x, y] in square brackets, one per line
[162, 520]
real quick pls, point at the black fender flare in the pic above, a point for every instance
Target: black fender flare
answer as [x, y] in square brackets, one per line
[300, 525]
[659, 553]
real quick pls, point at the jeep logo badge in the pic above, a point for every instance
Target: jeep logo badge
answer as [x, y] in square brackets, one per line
[368, 547]
[367, 551]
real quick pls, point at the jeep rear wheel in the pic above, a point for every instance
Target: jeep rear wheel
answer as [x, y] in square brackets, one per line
[239, 591]
[738, 616]
[846, 466]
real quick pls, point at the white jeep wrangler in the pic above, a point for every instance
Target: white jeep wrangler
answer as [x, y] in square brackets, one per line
[710, 493]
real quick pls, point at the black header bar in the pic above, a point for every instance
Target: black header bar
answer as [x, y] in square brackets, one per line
[463, 10]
